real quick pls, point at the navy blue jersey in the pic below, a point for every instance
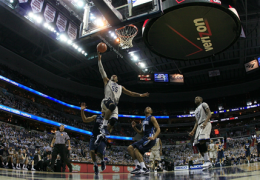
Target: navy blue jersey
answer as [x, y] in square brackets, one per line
[247, 146]
[220, 147]
[97, 125]
[258, 141]
[148, 127]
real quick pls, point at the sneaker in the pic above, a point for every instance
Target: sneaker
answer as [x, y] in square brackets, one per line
[96, 170]
[207, 165]
[155, 171]
[25, 168]
[18, 167]
[144, 171]
[99, 138]
[32, 169]
[137, 169]
[103, 165]
[104, 131]
[13, 167]
[146, 142]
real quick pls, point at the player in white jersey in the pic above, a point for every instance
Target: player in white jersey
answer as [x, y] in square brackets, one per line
[202, 128]
[212, 148]
[155, 154]
[112, 92]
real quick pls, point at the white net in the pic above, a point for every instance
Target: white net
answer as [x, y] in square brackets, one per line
[126, 35]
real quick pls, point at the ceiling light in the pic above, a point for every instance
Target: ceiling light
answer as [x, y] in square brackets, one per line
[142, 65]
[45, 25]
[146, 69]
[38, 19]
[99, 22]
[117, 39]
[76, 47]
[80, 3]
[135, 58]
[30, 14]
[58, 33]
[83, 52]
[11, 1]
[79, 49]
[63, 38]
[86, 54]
[69, 42]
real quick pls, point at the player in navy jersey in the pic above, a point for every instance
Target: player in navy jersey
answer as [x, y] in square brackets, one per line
[150, 131]
[100, 148]
[257, 140]
[247, 150]
[220, 153]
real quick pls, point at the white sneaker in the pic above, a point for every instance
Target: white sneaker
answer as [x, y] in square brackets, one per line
[18, 167]
[155, 171]
[207, 165]
[25, 168]
[32, 169]
[13, 167]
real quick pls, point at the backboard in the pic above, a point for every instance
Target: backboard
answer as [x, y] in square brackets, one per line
[109, 15]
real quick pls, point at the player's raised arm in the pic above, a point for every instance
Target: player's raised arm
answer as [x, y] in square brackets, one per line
[137, 130]
[84, 118]
[101, 69]
[133, 94]
[157, 127]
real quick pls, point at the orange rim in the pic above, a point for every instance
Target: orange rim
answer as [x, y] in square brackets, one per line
[124, 28]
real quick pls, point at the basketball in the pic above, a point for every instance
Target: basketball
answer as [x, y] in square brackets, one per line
[102, 47]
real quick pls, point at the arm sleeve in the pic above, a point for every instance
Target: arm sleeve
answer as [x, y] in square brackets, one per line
[205, 105]
[67, 137]
[101, 70]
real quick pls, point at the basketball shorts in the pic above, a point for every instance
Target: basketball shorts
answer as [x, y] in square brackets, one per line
[220, 154]
[202, 134]
[212, 155]
[143, 149]
[155, 156]
[101, 148]
[105, 105]
[247, 153]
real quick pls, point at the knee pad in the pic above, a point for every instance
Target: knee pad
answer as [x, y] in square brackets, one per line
[112, 107]
[112, 121]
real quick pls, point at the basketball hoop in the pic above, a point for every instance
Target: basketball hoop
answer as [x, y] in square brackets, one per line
[126, 35]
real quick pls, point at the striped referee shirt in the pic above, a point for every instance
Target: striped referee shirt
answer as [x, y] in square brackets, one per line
[61, 137]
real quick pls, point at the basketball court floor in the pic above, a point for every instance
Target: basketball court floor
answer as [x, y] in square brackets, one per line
[240, 172]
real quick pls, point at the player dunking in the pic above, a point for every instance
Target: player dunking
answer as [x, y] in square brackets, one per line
[202, 128]
[101, 147]
[113, 92]
[139, 148]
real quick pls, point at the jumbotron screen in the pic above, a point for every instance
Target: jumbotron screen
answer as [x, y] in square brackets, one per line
[161, 77]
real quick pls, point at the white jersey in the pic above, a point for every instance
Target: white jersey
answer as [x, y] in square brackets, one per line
[113, 91]
[156, 147]
[200, 112]
[212, 147]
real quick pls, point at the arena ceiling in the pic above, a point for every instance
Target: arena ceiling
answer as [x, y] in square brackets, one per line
[34, 44]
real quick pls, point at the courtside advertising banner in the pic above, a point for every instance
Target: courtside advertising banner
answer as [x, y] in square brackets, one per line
[251, 65]
[37, 5]
[61, 22]
[49, 13]
[72, 31]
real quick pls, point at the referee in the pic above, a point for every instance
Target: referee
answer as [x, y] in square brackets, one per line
[59, 140]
